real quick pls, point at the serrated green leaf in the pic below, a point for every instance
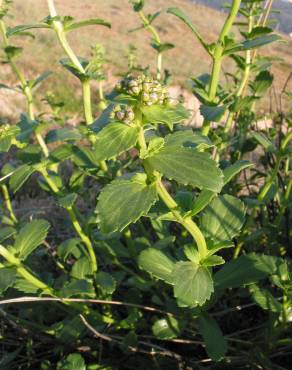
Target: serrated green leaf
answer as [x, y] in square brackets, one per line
[193, 284]
[69, 247]
[214, 247]
[157, 264]
[204, 198]
[216, 344]
[19, 177]
[213, 261]
[105, 282]
[188, 139]
[72, 362]
[265, 299]
[138, 5]
[223, 218]
[262, 83]
[178, 13]
[254, 43]
[63, 134]
[192, 253]
[6, 232]
[23, 27]
[103, 120]
[246, 270]
[12, 51]
[188, 167]
[232, 170]
[68, 201]
[260, 41]
[30, 237]
[7, 278]
[25, 286]
[115, 139]
[154, 145]
[32, 155]
[27, 128]
[67, 64]
[130, 340]
[41, 78]
[3, 86]
[87, 22]
[61, 153]
[264, 141]
[81, 269]
[160, 48]
[123, 202]
[6, 137]
[212, 113]
[85, 157]
[168, 115]
[167, 328]
[259, 31]
[80, 287]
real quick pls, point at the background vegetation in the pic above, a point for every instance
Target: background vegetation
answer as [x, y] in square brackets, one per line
[145, 177]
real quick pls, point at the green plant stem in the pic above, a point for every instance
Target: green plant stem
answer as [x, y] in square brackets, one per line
[186, 222]
[60, 32]
[265, 189]
[245, 77]
[87, 102]
[25, 88]
[217, 59]
[156, 37]
[285, 203]
[74, 220]
[49, 181]
[28, 276]
[8, 204]
[242, 85]
[83, 237]
[249, 60]
[86, 92]
[130, 243]
[102, 104]
[24, 272]
[59, 29]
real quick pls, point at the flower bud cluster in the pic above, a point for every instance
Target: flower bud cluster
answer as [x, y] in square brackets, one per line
[149, 90]
[3, 129]
[123, 113]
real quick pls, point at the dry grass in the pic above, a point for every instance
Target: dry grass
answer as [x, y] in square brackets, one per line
[187, 59]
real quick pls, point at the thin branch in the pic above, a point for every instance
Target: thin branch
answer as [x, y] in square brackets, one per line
[95, 301]
[118, 340]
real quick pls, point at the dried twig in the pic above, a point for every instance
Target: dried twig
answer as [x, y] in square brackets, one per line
[118, 340]
[81, 300]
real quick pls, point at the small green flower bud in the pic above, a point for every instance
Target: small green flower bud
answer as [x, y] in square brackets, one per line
[145, 97]
[146, 86]
[120, 115]
[119, 86]
[135, 90]
[3, 129]
[130, 115]
[132, 83]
